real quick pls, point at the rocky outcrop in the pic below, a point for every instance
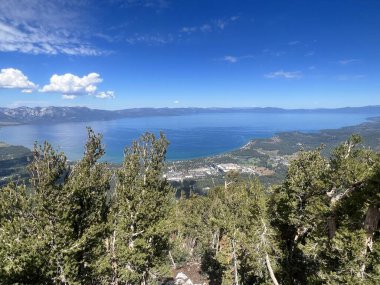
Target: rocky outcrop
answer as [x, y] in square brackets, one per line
[182, 279]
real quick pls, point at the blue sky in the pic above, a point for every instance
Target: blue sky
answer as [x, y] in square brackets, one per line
[119, 54]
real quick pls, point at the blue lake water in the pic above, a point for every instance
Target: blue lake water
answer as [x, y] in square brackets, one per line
[190, 136]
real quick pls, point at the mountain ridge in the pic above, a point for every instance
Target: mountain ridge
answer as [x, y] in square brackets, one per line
[52, 114]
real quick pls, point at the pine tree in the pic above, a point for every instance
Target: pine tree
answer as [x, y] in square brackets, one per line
[87, 186]
[327, 214]
[48, 170]
[66, 228]
[20, 258]
[191, 231]
[295, 207]
[346, 250]
[141, 205]
[53, 232]
[244, 245]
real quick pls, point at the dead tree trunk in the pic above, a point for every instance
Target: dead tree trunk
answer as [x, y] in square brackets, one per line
[172, 260]
[267, 260]
[271, 273]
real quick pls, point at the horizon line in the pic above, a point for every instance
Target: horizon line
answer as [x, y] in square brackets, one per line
[194, 107]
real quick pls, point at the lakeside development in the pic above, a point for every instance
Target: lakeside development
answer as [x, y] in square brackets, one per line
[266, 159]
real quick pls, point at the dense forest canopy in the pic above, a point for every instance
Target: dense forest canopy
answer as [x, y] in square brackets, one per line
[88, 224]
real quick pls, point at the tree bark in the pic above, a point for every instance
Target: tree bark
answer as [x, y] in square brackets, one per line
[172, 260]
[115, 279]
[267, 260]
[271, 273]
[331, 224]
[236, 276]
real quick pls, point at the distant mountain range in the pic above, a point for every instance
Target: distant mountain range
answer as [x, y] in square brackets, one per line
[27, 115]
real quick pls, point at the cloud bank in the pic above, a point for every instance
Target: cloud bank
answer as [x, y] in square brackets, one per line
[43, 27]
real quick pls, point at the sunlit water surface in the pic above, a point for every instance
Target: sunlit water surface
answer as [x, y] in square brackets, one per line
[190, 136]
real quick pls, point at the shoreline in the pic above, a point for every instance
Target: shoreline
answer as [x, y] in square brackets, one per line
[368, 120]
[271, 137]
[265, 158]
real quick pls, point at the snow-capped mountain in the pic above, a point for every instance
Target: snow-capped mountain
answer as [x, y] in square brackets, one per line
[53, 114]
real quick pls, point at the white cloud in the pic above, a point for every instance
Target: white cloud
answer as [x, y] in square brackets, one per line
[235, 59]
[153, 40]
[14, 78]
[68, 97]
[176, 102]
[348, 61]
[189, 30]
[158, 4]
[105, 95]
[231, 59]
[220, 24]
[33, 41]
[44, 27]
[214, 25]
[69, 84]
[285, 74]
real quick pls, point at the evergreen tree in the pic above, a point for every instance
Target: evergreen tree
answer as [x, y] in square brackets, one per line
[141, 205]
[65, 227]
[20, 258]
[48, 170]
[53, 233]
[327, 214]
[191, 235]
[296, 206]
[87, 186]
[345, 251]
[242, 241]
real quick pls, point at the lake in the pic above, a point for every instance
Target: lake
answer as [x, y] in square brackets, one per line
[190, 136]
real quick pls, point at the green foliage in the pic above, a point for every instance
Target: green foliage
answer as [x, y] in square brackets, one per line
[61, 229]
[228, 232]
[20, 259]
[87, 187]
[327, 215]
[69, 226]
[239, 215]
[141, 206]
[191, 230]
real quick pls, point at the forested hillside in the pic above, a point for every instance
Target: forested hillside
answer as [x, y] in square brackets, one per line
[88, 224]
[13, 162]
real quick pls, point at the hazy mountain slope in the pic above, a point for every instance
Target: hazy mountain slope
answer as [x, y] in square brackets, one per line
[27, 115]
